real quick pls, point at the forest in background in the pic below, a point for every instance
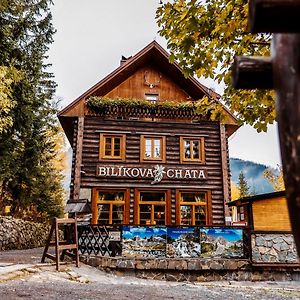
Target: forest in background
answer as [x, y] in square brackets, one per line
[254, 175]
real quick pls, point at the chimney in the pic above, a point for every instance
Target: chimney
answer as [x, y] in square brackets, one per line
[124, 60]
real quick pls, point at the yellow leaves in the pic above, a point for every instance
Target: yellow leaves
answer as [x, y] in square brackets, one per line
[59, 161]
[275, 177]
[235, 193]
[8, 76]
[211, 108]
[204, 37]
[201, 72]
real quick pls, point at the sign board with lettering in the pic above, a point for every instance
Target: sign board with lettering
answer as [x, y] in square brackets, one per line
[157, 173]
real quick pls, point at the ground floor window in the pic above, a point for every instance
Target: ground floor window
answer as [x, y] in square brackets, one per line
[192, 208]
[151, 207]
[110, 207]
[113, 206]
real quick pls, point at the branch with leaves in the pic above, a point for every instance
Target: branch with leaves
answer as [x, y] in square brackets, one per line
[204, 36]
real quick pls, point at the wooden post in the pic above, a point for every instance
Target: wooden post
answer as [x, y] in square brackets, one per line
[78, 158]
[275, 16]
[278, 16]
[252, 73]
[225, 168]
[287, 85]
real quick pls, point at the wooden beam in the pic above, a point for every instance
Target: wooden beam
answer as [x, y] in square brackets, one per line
[78, 158]
[252, 72]
[274, 16]
[225, 167]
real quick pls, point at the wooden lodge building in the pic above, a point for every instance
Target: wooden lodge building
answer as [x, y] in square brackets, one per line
[141, 159]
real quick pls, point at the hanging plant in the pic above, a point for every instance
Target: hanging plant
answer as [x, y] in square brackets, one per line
[208, 108]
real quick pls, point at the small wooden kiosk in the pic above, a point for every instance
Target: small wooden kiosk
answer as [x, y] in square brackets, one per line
[141, 159]
[265, 212]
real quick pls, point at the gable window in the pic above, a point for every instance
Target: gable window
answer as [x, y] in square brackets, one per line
[112, 147]
[153, 148]
[192, 208]
[192, 149]
[151, 97]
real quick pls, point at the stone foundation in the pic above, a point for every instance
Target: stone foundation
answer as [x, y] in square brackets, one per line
[191, 269]
[20, 234]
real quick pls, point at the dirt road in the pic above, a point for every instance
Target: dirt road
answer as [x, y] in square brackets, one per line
[43, 282]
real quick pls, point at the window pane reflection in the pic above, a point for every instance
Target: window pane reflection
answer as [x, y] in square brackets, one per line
[117, 214]
[147, 148]
[186, 214]
[103, 214]
[187, 149]
[157, 146]
[108, 143]
[117, 147]
[145, 214]
[196, 149]
[200, 218]
[193, 197]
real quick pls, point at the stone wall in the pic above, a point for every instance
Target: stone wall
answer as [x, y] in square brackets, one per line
[191, 270]
[273, 248]
[20, 234]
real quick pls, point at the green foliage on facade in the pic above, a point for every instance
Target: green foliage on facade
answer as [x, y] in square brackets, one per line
[207, 108]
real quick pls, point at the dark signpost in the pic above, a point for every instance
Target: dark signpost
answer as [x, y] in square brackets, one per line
[282, 73]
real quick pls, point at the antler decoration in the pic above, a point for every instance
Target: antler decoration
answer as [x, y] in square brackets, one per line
[154, 84]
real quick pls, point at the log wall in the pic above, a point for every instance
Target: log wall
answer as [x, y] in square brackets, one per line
[93, 126]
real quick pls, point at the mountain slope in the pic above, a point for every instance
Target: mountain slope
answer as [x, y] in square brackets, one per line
[253, 173]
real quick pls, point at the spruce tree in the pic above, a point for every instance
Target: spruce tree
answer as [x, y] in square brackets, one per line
[28, 180]
[243, 186]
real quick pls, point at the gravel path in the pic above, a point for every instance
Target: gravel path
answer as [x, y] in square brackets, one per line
[43, 282]
[28, 256]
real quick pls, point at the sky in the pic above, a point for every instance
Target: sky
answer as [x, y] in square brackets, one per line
[91, 37]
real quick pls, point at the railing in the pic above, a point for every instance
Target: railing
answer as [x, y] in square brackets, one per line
[97, 240]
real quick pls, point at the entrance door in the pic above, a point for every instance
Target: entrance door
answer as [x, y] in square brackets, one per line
[151, 208]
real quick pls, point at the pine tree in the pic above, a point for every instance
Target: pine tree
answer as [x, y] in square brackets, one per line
[28, 179]
[243, 186]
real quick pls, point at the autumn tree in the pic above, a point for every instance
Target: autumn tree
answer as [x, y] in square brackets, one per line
[204, 36]
[243, 186]
[29, 181]
[235, 193]
[275, 177]
[8, 77]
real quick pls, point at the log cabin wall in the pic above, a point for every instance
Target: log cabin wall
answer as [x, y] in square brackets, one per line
[172, 131]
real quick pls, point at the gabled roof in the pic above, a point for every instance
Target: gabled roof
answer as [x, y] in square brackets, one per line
[156, 55]
[250, 199]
